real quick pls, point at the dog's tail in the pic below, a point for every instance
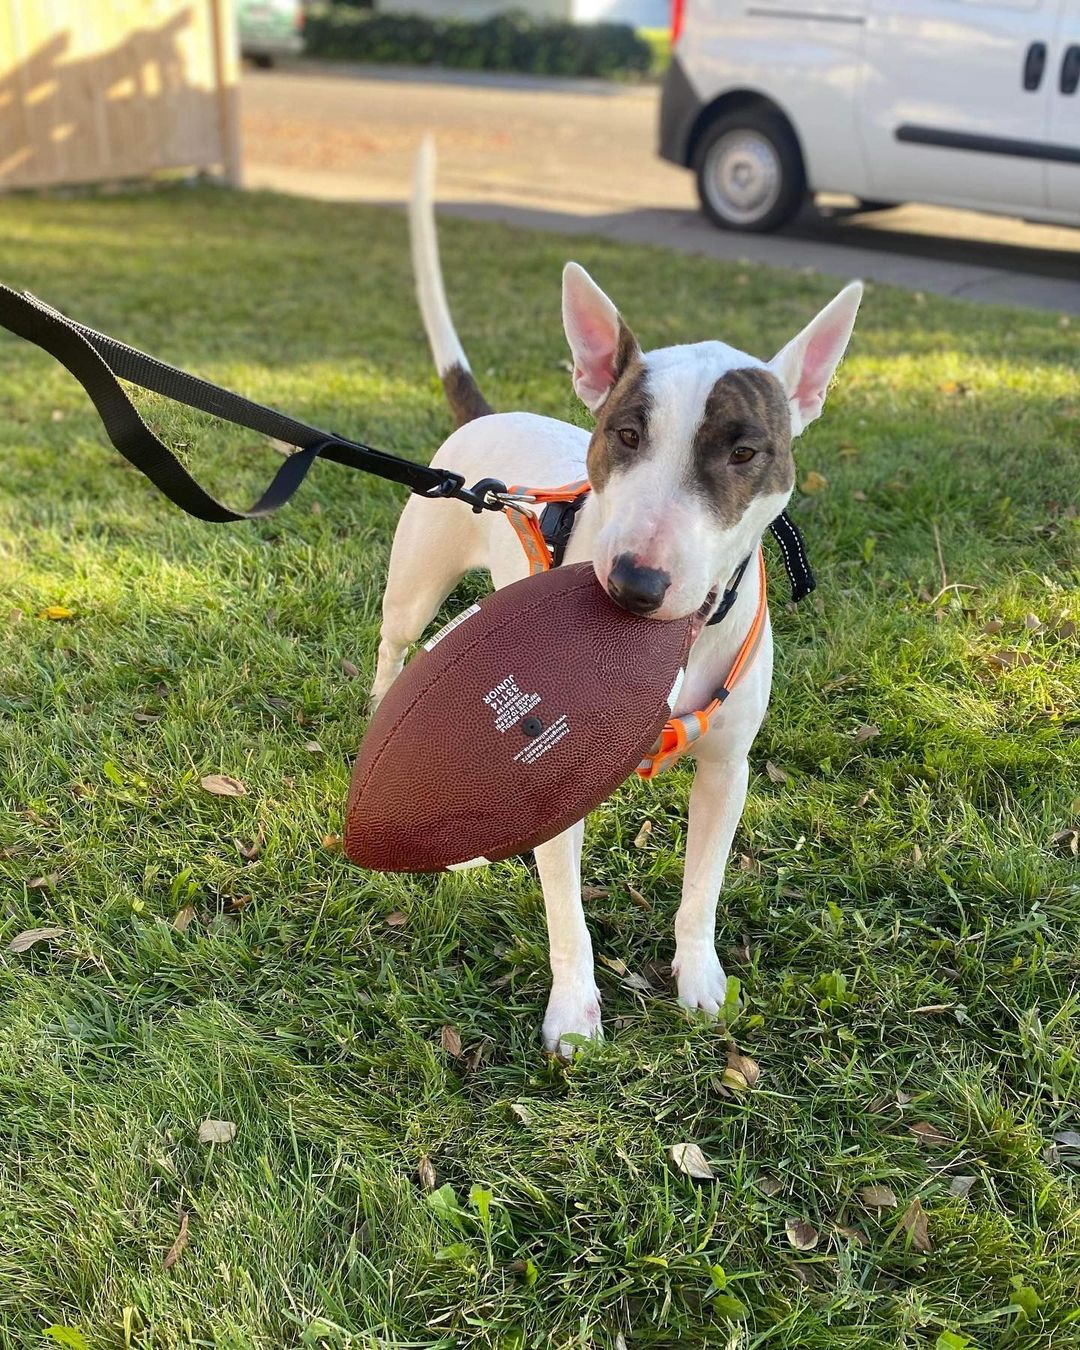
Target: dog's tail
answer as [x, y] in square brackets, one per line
[462, 391]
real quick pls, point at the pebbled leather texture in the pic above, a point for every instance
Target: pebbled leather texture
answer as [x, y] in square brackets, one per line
[518, 721]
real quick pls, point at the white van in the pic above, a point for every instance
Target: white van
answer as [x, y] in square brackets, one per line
[970, 103]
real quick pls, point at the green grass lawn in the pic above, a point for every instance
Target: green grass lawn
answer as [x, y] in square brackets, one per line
[902, 922]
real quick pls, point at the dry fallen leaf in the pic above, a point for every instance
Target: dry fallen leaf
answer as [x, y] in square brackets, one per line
[776, 774]
[594, 892]
[14, 616]
[859, 495]
[867, 732]
[614, 963]
[217, 1132]
[313, 747]
[331, 841]
[45, 883]
[643, 834]
[1032, 622]
[1008, 657]
[852, 1234]
[748, 1069]
[877, 1196]
[349, 669]
[929, 1134]
[396, 920]
[802, 1235]
[183, 919]
[56, 612]
[222, 785]
[960, 1185]
[914, 1223]
[521, 1113]
[1068, 841]
[450, 1041]
[770, 1185]
[250, 851]
[426, 1172]
[814, 482]
[993, 626]
[173, 1254]
[24, 941]
[1070, 1138]
[638, 899]
[689, 1158]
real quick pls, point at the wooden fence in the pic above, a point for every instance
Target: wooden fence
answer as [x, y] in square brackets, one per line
[102, 90]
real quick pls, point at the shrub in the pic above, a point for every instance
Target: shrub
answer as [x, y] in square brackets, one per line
[503, 42]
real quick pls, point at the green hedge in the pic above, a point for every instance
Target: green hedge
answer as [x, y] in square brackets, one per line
[504, 42]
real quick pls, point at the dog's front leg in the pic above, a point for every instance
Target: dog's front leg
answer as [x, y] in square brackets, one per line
[716, 803]
[574, 1005]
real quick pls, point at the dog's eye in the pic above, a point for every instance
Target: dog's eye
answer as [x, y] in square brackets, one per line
[742, 454]
[629, 437]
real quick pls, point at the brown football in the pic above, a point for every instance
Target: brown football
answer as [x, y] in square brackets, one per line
[510, 724]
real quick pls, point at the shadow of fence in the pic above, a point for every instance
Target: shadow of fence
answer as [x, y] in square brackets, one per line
[92, 97]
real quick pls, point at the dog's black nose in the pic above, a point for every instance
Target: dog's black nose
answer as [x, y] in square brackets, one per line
[638, 589]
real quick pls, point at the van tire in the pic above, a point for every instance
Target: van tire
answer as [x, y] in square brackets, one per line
[749, 170]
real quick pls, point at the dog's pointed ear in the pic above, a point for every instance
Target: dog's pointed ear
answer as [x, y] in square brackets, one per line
[806, 365]
[601, 344]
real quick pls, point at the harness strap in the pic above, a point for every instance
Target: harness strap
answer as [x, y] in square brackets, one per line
[544, 539]
[99, 363]
[681, 732]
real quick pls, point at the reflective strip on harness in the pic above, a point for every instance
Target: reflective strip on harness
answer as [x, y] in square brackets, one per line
[527, 529]
[681, 732]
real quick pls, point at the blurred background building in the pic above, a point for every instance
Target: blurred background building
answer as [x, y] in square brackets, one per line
[102, 90]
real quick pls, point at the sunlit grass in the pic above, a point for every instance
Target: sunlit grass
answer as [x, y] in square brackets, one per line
[896, 912]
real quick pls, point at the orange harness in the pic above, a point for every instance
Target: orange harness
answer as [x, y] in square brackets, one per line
[678, 732]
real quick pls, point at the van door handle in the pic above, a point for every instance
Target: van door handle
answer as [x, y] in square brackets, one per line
[1070, 70]
[1034, 66]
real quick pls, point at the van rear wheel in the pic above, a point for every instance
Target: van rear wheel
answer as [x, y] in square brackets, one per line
[750, 174]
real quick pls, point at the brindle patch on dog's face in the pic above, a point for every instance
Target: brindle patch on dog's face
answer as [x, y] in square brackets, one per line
[626, 408]
[747, 409]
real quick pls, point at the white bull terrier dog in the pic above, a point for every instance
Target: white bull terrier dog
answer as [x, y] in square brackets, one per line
[690, 461]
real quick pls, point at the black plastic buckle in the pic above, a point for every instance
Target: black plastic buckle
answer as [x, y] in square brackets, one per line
[730, 595]
[557, 525]
[451, 486]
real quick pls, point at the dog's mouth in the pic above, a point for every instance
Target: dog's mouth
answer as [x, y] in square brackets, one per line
[702, 616]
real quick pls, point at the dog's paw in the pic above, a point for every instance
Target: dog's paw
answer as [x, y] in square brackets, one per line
[701, 980]
[573, 1010]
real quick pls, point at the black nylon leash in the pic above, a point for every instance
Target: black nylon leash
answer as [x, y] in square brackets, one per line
[99, 363]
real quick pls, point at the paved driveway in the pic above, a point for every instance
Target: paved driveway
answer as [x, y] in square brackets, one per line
[579, 157]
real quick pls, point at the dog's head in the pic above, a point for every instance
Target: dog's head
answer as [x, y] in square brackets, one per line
[691, 456]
